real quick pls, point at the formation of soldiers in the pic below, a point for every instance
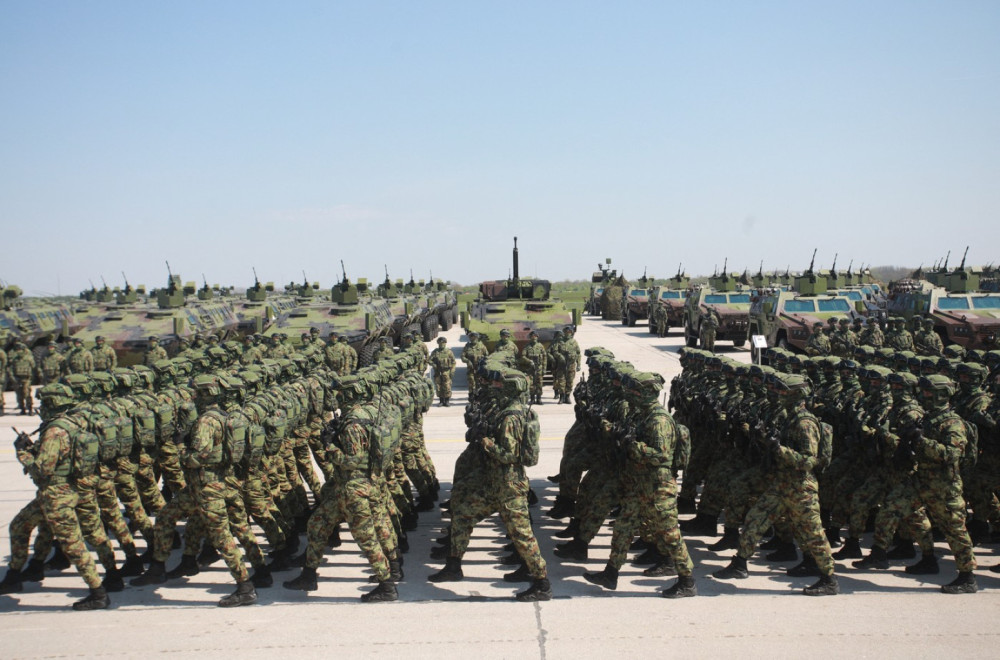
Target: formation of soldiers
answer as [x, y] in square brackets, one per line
[809, 445]
[232, 430]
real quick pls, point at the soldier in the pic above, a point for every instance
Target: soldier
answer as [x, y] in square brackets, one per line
[557, 362]
[55, 468]
[251, 354]
[937, 445]
[708, 328]
[660, 319]
[444, 366]
[383, 350]
[534, 357]
[79, 360]
[898, 337]
[21, 365]
[352, 355]
[843, 340]
[154, 352]
[793, 492]
[650, 490]
[571, 351]
[52, 366]
[819, 343]
[872, 334]
[472, 353]
[105, 358]
[205, 461]
[506, 481]
[506, 344]
[927, 341]
[3, 371]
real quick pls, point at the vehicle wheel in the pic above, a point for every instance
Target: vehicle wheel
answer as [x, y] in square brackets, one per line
[739, 343]
[630, 316]
[429, 327]
[365, 357]
[446, 320]
[690, 338]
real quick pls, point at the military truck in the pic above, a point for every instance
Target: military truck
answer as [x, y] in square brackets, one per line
[350, 309]
[785, 318]
[728, 300]
[963, 314]
[635, 301]
[671, 298]
[519, 305]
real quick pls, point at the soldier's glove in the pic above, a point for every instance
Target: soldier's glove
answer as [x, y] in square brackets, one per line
[487, 442]
[22, 442]
[867, 431]
[633, 452]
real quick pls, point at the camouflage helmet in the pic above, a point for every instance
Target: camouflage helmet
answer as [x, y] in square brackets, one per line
[124, 377]
[145, 377]
[598, 350]
[877, 373]
[791, 386]
[56, 396]
[504, 332]
[207, 386]
[441, 340]
[99, 339]
[936, 388]
[977, 355]
[646, 385]
[928, 323]
[903, 380]
[971, 372]
[954, 351]
[81, 384]
[104, 382]
[472, 334]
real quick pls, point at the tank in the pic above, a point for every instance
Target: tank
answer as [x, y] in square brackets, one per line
[519, 305]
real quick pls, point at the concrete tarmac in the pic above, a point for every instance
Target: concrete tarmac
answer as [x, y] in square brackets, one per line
[879, 614]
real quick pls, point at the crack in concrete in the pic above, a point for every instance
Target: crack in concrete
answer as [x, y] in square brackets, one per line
[542, 633]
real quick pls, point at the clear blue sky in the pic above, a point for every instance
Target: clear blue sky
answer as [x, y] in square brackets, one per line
[424, 135]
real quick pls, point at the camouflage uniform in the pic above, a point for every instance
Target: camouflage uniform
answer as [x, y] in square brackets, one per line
[52, 366]
[79, 360]
[571, 352]
[872, 334]
[104, 357]
[22, 365]
[154, 353]
[535, 357]
[819, 343]
[708, 328]
[444, 366]
[472, 353]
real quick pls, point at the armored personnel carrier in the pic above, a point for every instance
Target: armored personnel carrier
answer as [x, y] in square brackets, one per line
[963, 313]
[670, 297]
[785, 317]
[260, 307]
[350, 309]
[35, 321]
[599, 279]
[725, 298]
[128, 322]
[635, 301]
[519, 305]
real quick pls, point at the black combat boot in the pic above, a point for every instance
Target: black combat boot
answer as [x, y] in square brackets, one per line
[444, 540]
[452, 571]
[385, 592]
[683, 588]
[34, 571]
[851, 549]
[132, 566]
[187, 568]
[928, 565]
[784, 551]
[702, 524]
[96, 600]
[155, 574]
[563, 508]
[113, 582]
[575, 550]
[979, 531]
[522, 574]
[737, 570]
[686, 505]
[511, 559]
[650, 557]
[424, 503]
[875, 559]
[410, 520]
[261, 577]
[441, 551]
[58, 562]
[540, 589]
[902, 550]
[806, 568]
[663, 569]
[12, 582]
[608, 578]
[334, 540]
[396, 569]
[572, 530]
[208, 555]
[306, 581]
[730, 540]
[833, 536]
[245, 594]
[965, 583]
[827, 586]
